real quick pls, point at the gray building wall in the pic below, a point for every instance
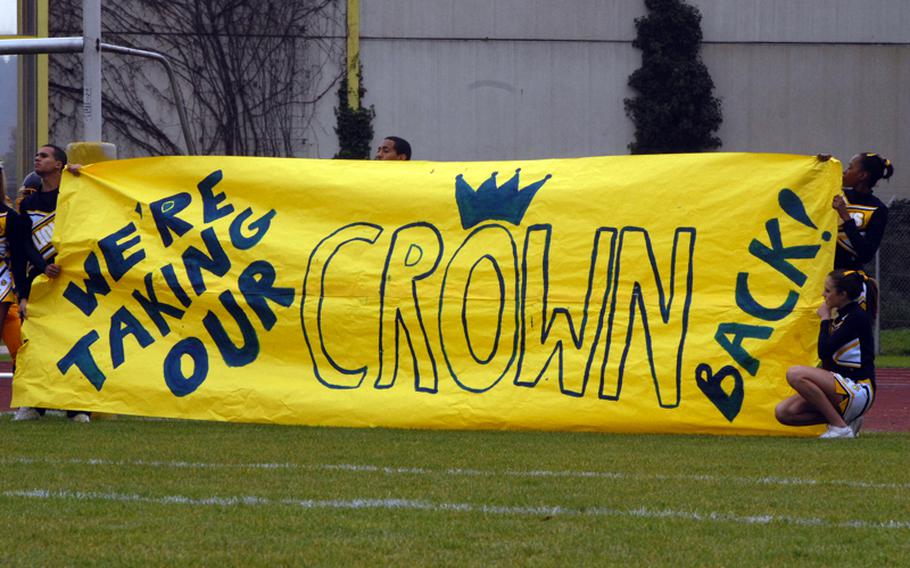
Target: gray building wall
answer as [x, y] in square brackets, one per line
[523, 79]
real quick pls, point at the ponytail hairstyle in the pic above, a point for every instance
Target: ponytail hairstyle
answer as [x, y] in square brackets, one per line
[878, 167]
[852, 283]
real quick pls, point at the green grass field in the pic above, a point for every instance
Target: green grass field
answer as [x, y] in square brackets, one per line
[895, 348]
[892, 361]
[895, 341]
[130, 492]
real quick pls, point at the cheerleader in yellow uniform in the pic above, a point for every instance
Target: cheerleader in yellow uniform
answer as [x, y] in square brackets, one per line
[9, 310]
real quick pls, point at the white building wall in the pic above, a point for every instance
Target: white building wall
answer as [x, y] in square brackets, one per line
[457, 100]
[522, 79]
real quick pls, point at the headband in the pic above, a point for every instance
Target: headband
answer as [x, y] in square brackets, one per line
[860, 272]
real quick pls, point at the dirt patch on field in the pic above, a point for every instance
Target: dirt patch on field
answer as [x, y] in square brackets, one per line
[890, 413]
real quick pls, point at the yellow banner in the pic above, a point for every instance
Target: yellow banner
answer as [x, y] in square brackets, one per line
[624, 294]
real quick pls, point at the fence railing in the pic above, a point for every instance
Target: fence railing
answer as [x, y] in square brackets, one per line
[892, 270]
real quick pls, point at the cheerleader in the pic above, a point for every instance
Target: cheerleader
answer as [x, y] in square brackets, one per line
[842, 391]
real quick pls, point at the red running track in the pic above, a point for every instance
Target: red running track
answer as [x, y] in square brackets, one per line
[891, 412]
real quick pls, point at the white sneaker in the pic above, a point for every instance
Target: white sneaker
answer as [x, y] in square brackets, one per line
[81, 418]
[838, 432]
[856, 425]
[26, 413]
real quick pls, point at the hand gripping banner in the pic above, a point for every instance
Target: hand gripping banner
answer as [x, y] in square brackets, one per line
[624, 294]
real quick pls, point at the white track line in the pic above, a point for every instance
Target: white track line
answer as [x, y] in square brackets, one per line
[417, 505]
[460, 472]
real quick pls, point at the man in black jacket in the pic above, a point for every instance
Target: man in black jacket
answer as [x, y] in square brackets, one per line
[33, 253]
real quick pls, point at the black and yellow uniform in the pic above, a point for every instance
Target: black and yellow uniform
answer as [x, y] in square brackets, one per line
[31, 239]
[7, 225]
[10, 323]
[858, 239]
[846, 348]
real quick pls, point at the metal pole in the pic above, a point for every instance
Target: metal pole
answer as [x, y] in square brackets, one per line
[91, 65]
[178, 98]
[40, 45]
[76, 44]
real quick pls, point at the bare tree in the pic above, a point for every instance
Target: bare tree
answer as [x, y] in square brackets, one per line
[251, 72]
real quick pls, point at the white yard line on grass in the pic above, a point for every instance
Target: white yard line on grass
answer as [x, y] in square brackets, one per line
[462, 472]
[417, 505]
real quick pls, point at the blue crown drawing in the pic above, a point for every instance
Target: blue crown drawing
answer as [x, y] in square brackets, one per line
[503, 203]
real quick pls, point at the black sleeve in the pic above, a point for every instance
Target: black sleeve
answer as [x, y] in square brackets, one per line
[829, 342]
[824, 334]
[865, 246]
[16, 252]
[22, 252]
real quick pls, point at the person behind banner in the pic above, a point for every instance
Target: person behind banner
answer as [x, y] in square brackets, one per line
[393, 148]
[842, 391]
[30, 185]
[32, 250]
[863, 216]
